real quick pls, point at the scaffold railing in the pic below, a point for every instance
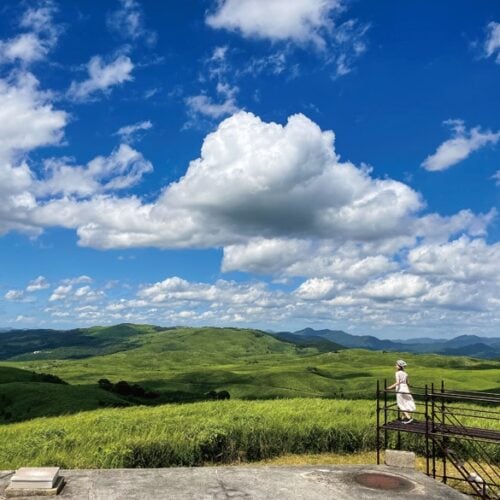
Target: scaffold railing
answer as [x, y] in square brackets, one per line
[460, 428]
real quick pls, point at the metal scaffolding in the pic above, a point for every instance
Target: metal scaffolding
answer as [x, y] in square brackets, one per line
[462, 428]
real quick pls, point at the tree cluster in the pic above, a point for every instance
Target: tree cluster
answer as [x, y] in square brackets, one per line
[218, 395]
[123, 388]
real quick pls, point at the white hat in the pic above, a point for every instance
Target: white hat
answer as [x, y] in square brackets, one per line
[401, 363]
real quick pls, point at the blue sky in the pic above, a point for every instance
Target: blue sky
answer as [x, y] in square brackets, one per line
[263, 163]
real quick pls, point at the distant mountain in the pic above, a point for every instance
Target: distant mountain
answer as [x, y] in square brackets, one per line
[464, 345]
[469, 340]
[352, 341]
[39, 344]
[479, 350]
[320, 343]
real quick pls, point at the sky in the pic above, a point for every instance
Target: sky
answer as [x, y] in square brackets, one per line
[276, 164]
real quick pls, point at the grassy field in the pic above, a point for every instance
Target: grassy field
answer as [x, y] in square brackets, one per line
[194, 434]
[285, 398]
[184, 364]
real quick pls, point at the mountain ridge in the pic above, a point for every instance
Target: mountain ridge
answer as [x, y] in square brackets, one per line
[462, 345]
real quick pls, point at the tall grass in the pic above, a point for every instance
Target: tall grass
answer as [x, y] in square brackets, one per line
[174, 435]
[194, 434]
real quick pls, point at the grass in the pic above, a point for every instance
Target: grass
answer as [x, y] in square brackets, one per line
[184, 364]
[194, 434]
[218, 432]
[285, 399]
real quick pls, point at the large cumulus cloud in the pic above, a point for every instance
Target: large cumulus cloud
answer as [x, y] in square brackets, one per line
[265, 180]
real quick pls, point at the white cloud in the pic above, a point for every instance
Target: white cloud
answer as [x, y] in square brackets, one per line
[102, 77]
[460, 146]
[278, 200]
[256, 184]
[177, 292]
[61, 292]
[301, 21]
[37, 284]
[121, 170]
[463, 259]
[496, 177]
[87, 294]
[26, 47]
[40, 18]
[350, 42]
[27, 119]
[69, 291]
[395, 303]
[79, 279]
[129, 132]
[33, 45]
[395, 286]
[14, 295]
[204, 105]
[128, 22]
[264, 256]
[317, 289]
[253, 179]
[492, 42]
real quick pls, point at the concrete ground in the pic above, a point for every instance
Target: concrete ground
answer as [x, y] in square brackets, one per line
[220, 483]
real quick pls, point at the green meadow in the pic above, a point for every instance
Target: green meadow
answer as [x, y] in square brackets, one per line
[285, 398]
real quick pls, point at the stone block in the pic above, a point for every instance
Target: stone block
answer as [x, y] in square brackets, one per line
[13, 492]
[402, 459]
[35, 481]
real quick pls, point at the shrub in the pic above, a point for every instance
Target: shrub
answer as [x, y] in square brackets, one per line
[123, 388]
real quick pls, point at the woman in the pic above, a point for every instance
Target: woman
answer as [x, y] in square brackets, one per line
[403, 396]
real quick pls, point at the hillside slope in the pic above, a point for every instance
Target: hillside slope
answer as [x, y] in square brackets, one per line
[186, 364]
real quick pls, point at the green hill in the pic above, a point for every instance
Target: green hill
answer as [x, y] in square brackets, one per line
[185, 364]
[25, 395]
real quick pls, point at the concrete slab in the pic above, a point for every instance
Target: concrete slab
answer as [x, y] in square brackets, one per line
[35, 477]
[14, 491]
[249, 483]
[399, 458]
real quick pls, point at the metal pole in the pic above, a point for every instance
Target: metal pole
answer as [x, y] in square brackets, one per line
[426, 431]
[433, 410]
[445, 443]
[378, 423]
[385, 413]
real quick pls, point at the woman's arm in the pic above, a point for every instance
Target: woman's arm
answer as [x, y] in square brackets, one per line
[392, 386]
[395, 384]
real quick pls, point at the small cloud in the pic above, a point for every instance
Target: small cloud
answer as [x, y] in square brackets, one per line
[496, 177]
[151, 92]
[61, 292]
[26, 47]
[128, 132]
[204, 105]
[80, 279]
[492, 42]
[35, 44]
[39, 283]
[460, 146]
[307, 22]
[102, 77]
[128, 22]
[26, 319]
[14, 295]
[123, 168]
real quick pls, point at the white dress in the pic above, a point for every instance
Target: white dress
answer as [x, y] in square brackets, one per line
[403, 396]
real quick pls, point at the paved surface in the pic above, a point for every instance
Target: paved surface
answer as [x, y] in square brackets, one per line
[222, 483]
